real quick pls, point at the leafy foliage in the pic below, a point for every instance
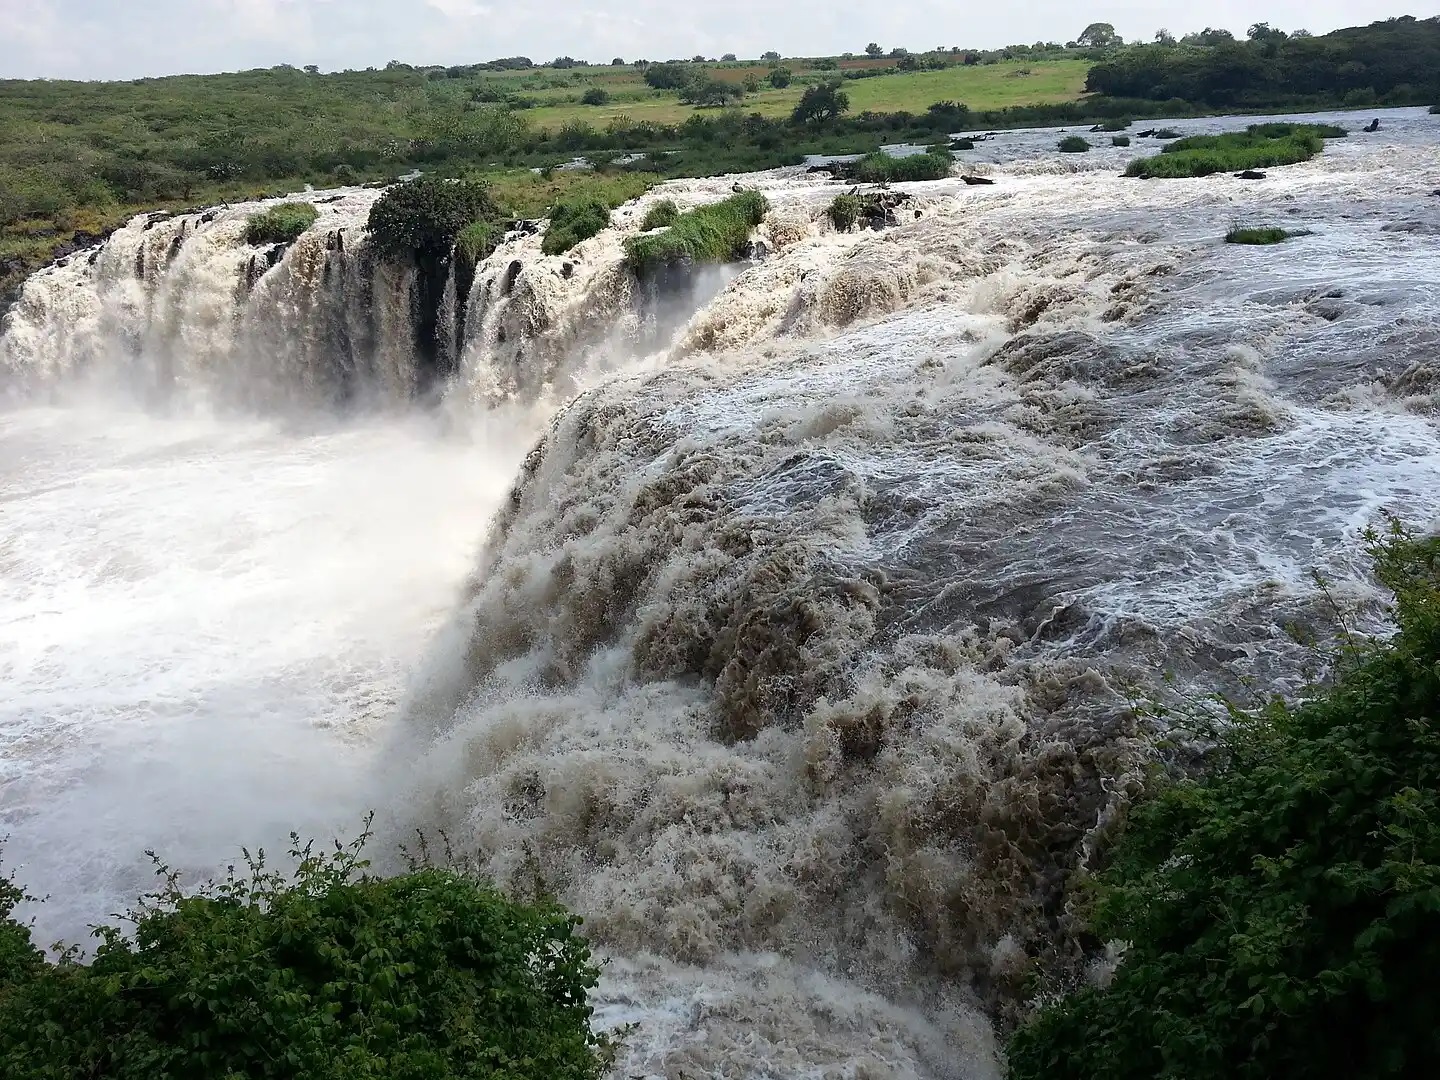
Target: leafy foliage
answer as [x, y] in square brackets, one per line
[780, 77]
[710, 92]
[714, 233]
[822, 103]
[423, 217]
[328, 974]
[477, 240]
[1259, 146]
[1282, 911]
[1397, 60]
[281, 224]
[572, 222]
[662, 215]
[1073, 144]
[596, 95]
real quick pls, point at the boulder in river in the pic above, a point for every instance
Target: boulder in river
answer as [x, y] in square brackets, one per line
[973, 180]
[1250, 174]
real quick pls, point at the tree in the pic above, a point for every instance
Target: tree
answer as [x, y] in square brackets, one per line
[780, 78]
[669, 76]
[895, 54]
[1164, 37]
[1098, 35]
[421, 218]
[821, 104]
[564, 62]
[619, 61]
[728, 57]
[312, 69]
[595, 96]
[751, 83]
[707, 92]
[907, 62]
[697, 59]
[1263, 32]
[771, 56]
[874, 50]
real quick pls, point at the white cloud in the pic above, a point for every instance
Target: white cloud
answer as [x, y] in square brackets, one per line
[107, 39]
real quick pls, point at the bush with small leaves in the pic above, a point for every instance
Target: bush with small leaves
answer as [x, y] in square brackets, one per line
[845, 211]
[595, 96]
[660, 216]
[283, 224]
[574, 221]
[422, 218]
[327, 973]
[714, 233]
[1073, 144]
[1282, 909]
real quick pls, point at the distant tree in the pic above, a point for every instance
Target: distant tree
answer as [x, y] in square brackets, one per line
[619, 61]
[751, 83]
[1300, 34]
[703, 92]
[312, 69]
[874, 50]
[564, 62]
[697, 59]
[669, 76]
[1164, 37]
[821, 104]
[595, 96]
[729, 57]
[1262, 31]
[772, 56]
[906, 62]
[895, 54]
[1213, 37]
[780, 78]
[1098, 35]
[827, 63]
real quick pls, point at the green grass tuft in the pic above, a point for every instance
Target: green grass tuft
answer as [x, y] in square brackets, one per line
[477, 240]
[1263, 234]
[882, 168]
[845, 212]
[1260, 146]
[574, 221]
[707, 234]
[660, 216]
[1073, 144]
[281, 224]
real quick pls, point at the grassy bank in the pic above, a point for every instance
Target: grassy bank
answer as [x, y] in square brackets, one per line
[1258, 147]
[707, 234]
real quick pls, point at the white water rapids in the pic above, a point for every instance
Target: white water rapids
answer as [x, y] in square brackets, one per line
[797, 659]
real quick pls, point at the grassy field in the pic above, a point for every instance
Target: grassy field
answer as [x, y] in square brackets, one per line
[988, 86]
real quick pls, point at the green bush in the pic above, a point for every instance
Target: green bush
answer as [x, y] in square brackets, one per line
[714, 233]
[423, 217]
[845, 211]
[1265, 234]
[781, 77]
[1283, 911]
[1258, 147]
[1113, 125]
[1120, 140]
[1073, 144]
[595, 96]
[882, 168]
[329, 974]
[281, 224]
[573, 221]
[661, 215]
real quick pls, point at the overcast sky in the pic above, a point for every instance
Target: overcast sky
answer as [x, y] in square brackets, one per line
[99, 39]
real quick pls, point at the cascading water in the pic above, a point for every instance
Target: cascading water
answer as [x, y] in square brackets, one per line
[798, 658]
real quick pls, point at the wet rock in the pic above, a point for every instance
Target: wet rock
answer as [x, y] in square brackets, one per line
[511, 273]
[757, 250]
[976, 180]
[567, 269]
[1147, 134]
[1250, 174]
[1415, 228]
[1373, 126]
